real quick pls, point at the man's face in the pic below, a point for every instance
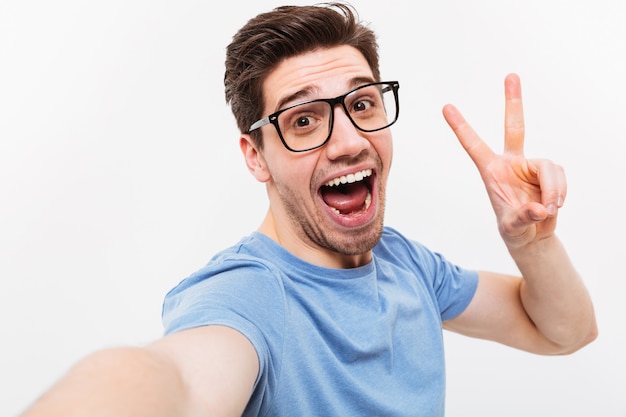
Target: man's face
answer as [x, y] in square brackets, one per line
[334, 226]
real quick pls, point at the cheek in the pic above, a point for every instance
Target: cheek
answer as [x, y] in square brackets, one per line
[384, 149]
[293, 173]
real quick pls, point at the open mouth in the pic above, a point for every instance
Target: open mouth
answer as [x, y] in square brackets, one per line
[349, 194]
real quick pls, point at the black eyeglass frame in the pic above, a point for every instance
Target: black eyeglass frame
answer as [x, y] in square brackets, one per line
[273, 118]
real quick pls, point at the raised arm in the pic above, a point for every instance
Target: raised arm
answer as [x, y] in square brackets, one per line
[207, 371]
[549, 310]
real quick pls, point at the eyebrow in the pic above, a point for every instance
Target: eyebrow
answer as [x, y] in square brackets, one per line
[297, 96]
[310, 91]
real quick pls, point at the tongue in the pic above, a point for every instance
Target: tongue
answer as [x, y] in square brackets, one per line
[346, 198]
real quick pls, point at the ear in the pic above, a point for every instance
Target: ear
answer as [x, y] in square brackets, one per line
[254, 159]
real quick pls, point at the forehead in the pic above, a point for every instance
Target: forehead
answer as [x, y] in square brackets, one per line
[320, 73]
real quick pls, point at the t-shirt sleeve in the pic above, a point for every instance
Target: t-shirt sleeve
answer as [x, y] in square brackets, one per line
[239, 293]
[454, 286]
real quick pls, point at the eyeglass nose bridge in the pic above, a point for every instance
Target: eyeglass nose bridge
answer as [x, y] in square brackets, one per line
[333, 102]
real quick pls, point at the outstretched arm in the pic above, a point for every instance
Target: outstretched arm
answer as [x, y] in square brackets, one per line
[207, 371]
[549, 310]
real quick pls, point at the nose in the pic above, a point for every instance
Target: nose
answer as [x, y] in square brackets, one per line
[346, 140]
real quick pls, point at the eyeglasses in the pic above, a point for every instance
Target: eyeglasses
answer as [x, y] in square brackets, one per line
[309, 125]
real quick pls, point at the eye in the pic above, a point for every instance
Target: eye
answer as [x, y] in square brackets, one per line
[303, 118]
[361, 105]
[303, 121]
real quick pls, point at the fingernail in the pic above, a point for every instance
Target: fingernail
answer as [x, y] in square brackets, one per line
[535, 217]
[552, 209]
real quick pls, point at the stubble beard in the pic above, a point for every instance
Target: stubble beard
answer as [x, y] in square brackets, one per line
[309, 223]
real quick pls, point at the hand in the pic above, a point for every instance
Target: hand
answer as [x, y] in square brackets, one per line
[525, 194]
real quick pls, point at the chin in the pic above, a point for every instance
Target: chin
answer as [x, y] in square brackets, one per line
[355, 241]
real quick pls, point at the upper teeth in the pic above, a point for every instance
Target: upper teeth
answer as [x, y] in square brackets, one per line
[350, 178]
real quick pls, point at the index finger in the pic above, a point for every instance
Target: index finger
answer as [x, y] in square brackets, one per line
[475, 147]
[513, 115]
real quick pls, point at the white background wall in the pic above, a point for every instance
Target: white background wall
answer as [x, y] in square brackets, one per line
[120, 173]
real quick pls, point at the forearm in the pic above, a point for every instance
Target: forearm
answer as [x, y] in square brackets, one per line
[554, 295]
[117, 382]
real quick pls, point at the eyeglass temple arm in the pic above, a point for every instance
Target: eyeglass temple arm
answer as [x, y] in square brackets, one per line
[259, 123]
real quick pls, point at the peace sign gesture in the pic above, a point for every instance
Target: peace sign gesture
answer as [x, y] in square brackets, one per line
[525, 193]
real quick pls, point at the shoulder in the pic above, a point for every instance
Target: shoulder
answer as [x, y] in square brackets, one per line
[236, 285]
[430, 266]
[395, 246]
[237, 266]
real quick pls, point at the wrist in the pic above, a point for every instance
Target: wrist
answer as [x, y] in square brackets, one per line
[536, 249]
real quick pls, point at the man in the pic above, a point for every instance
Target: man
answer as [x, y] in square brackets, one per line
[323, 310]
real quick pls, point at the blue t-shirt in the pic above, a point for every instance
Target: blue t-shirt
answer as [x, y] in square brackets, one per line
[332, 342]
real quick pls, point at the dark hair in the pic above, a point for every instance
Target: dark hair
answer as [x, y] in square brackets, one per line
[269, 38]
